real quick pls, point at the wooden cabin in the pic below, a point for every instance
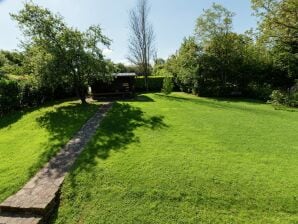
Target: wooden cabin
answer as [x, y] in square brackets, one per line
[122, 85]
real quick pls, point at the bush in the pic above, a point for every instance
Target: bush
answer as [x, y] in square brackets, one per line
[289, 98]
[155, 83]
[167, 86]
[260, 92]
[9, 96]
[31, 95]
[293, 96]
[16, 94]
[277, 97]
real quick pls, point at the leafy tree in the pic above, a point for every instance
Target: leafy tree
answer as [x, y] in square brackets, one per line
[279, 31]
[188, 65]
[214, 22]
[3, 61]
[57, 53]
[159, 65]
[214, 32]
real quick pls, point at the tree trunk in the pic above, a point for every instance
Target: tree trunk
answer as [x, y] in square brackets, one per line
[81, 94]
[146, 82]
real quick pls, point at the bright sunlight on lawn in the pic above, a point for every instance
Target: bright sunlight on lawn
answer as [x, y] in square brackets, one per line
[28, 139]
[184, 159]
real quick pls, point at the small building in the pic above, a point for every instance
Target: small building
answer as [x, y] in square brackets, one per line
[123, 85]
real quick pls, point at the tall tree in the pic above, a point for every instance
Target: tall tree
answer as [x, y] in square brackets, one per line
[279, 31]
[141, 42]
[213, 30]
[61, 54]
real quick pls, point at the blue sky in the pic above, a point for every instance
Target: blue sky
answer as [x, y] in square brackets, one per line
[172, 20]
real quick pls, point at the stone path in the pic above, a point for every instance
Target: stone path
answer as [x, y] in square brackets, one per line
[35, 201]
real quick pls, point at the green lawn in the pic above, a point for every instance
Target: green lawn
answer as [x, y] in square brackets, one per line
[184, 159]
[28, 139]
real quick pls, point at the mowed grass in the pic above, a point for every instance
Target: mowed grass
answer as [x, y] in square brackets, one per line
[185, 159]
[29, 139]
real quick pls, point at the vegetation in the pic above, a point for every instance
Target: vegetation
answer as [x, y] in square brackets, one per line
[185, 159]
[219, 62]
[141, 42]
[167, 85]
[155, 83]
[29, 138]
[57, 61]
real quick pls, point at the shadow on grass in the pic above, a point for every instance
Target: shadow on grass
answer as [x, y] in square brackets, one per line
[115, 133]
[62, 124]
[225, 104]
[137, 98]
[12, 117]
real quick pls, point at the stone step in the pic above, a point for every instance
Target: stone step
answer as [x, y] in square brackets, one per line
[41, 194]
[20, 219]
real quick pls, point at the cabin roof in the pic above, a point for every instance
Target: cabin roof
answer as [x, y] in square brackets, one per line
[123, 74]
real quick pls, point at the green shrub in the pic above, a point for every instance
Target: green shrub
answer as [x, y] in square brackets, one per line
[289, 98]
[293, 95]
[9, 96]
[256, 91]
[155, 83]
[167, 86]
[31, 95]
[277, 97]
[15, 94]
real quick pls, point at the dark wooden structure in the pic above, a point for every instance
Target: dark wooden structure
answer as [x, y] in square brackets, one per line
[122, 85]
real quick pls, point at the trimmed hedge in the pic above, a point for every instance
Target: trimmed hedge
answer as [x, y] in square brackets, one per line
[15, 95]
[9, 96]
[154, 83]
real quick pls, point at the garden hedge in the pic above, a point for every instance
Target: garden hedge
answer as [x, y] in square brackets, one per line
[154, 83]
[21, 94]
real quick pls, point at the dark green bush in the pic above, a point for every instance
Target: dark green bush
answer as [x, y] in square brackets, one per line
[278, 97]
[260, 92]
[154, 83]
[289, 98]
[167, 86]
[31, 95]
[9, 96]
[21, 94]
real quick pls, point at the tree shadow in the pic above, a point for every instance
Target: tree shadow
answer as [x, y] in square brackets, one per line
[12, 117]
[117, 131]
[226, 104]
[137, 98]
[62, 124]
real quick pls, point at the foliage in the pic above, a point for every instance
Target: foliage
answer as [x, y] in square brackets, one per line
[155, 83]
[278, 29]
[167, 85]
[158, 68]
[219, 62]
[289, 98]
[20, 94]
[278, 98]
[9, 96]
[202, 161]
[56, 53]
[184, 66]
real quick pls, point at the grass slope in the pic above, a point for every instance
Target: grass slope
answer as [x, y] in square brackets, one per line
[184, 159]
[28, 139]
